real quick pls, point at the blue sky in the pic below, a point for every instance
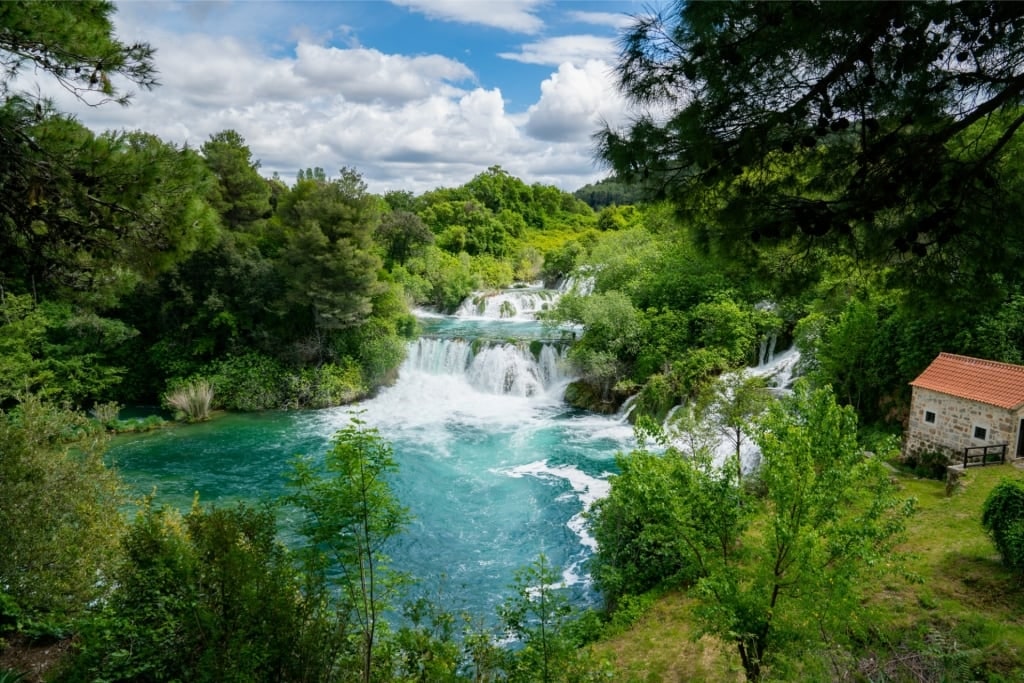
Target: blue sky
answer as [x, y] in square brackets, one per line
[414, 94]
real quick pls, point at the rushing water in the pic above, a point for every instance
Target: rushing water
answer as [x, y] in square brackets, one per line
[494, 466]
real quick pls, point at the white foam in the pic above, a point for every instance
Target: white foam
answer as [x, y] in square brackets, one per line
[587, 488]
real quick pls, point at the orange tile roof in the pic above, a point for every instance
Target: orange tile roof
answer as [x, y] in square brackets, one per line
[985, 381]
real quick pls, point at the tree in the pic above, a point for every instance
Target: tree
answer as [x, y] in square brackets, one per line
[401, 233]
[888, 130]
[539, 615]
[664, 515]
[61, 510]
[1003, 518]
[90, 215]
[241, 195]
[349, 515]
[75, 43]
[328, 261]
[213, 596]
[736, 403]
[833, 518]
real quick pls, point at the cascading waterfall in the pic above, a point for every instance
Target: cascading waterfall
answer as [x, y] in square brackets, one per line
[778, 370]
[494, 466]
[496, 368]
[521, 303]
[580, 284]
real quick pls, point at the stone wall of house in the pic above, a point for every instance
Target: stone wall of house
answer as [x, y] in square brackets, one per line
[955, 422]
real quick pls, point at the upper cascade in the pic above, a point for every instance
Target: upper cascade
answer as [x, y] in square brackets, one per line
[493, 368]
[521, 303]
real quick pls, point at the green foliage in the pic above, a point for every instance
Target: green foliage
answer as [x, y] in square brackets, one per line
[645, 527]
[539, 617]
[76, 44]
[327, 263]
[427, 647]
[450, 278]
[608, 192]
[95, 213]
[1002, 516]
[888, 140]
[402, 234]
[349, 513]
[833, 518]
[250, 381]
[216, 585]
[61, 510]
[735, 405]
[50, 350]
[241, 196]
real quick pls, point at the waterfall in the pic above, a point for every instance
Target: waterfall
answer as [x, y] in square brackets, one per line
[582, 285]
[509, 304]
[766, 354]
[495, 368]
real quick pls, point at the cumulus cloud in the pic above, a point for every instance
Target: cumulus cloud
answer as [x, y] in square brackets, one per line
[560, 49]
[366, 75]
[618, 21]
[404, 122]
[574, 102]
[511, 15]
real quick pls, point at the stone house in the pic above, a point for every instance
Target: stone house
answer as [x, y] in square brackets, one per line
[960, 403]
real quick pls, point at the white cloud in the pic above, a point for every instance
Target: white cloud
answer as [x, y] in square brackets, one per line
[560, 49]
[574, 102]
[618, 21]
[511, 15]
[364, 75]
[404, 122]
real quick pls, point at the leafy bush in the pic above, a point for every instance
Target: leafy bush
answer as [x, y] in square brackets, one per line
[637, 528]
[928, 464]
[1002, 515]
[216, 585]
[106, 413]
[191, 401]
[250, 381]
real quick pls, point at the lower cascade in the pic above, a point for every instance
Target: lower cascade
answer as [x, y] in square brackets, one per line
[496, 368]
[494, 466]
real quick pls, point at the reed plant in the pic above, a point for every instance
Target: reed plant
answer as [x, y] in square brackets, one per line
[191, 401]
[106, 413]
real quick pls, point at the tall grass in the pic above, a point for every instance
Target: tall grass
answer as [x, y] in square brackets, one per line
[191, 401]
[106, 414]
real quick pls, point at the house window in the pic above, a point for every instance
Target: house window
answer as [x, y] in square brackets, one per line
[929, 416]
[980, 433]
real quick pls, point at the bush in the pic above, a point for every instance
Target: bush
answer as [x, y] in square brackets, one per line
[106, 413]
[928, 464]
[1002, 515]
[249, 381]
[191, 401]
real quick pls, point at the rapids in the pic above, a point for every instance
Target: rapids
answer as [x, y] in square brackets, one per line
[494, 466]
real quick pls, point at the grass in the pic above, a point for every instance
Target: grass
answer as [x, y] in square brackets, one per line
[192, 401]
[955, 593]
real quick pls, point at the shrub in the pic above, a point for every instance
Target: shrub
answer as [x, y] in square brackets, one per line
[928, 464]
[191, 401]
[106, 413]
[1002, 515]
[249, 381]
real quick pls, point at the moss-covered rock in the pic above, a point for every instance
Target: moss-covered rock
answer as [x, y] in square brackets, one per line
[580, 394]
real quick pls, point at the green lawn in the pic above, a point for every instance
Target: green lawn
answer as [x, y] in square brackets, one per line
[957, 597]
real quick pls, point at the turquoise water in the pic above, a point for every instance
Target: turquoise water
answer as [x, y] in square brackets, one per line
[494, 467]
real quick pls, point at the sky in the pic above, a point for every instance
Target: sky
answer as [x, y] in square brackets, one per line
[413, 94]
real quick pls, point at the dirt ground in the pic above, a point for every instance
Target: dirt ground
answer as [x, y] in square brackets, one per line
[34, 660]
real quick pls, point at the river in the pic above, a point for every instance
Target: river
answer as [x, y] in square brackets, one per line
[494, 466]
